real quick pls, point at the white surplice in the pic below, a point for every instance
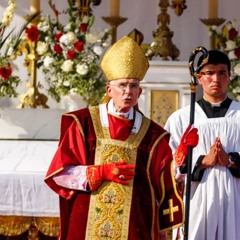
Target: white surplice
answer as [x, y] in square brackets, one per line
[215, 200]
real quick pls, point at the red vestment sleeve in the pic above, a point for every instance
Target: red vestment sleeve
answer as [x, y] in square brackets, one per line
[71, 151]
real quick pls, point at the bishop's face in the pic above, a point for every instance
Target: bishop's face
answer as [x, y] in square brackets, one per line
[124, 92]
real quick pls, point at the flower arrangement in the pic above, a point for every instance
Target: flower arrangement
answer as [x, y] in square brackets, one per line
[69, 54]
[9, 45]
[228, 41]
[8, 82]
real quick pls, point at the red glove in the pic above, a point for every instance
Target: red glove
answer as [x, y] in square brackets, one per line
[189, 139]
[118, 172]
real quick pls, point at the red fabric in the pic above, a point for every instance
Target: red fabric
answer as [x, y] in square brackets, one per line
[120, 128]
[145, 216]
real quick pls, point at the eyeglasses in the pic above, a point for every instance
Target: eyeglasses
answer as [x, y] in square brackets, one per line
[210, 74]
[123, 86]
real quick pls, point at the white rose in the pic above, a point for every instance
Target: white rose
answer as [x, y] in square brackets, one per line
[67, 66]
[47, 61]
[64, 39]
[41, 48]
[236, 69]
[230, 45]
[231, 55]
[91, 38]
[68, 38]
[72, 38]
[98, 50]
[82, 69]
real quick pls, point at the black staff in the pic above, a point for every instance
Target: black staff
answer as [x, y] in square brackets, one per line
[193, 86]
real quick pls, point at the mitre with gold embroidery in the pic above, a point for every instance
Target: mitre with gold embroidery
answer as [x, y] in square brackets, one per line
[124, 59]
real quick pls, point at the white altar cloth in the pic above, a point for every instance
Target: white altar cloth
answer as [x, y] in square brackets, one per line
[30, 123]
[23, 166]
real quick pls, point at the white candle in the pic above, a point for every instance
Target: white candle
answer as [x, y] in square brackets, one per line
[34, 6]
[114, 8]
[213, 9]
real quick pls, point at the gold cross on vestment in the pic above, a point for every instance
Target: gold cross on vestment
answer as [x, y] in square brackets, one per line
[171, 210]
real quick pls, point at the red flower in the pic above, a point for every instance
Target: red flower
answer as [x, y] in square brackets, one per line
[79, 46]
[71, 54]
[237, 52]
[56, 12]
[83, 27]
[232, 33]
[32, 33]
[57, 36]
[5, 73]
[58, 49]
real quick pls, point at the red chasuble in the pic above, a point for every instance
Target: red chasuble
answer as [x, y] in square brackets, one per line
[143, 209]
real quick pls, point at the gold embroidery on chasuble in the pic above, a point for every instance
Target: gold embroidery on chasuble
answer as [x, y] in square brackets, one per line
[109, 210]
[171, 201]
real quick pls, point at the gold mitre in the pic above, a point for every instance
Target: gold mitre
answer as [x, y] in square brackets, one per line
[124, 59]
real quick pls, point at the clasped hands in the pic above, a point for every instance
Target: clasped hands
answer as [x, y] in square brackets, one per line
[216, 155]
[119, 172]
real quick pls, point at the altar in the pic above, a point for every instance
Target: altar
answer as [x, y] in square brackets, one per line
[166, 88]
[28, 141]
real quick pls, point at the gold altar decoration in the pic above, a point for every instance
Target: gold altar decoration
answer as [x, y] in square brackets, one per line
[210, 23]
[212, 20]
[114, 20]
[16, 225]
[32, 98]
[162, 38]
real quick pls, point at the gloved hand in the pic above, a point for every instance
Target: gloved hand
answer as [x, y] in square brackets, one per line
[119, 172]
[189, 139]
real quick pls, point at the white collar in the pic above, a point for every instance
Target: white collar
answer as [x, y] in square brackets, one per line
[215, 104]
[104, 117]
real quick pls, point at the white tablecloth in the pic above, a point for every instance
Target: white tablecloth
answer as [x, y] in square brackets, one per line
[23, 166]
